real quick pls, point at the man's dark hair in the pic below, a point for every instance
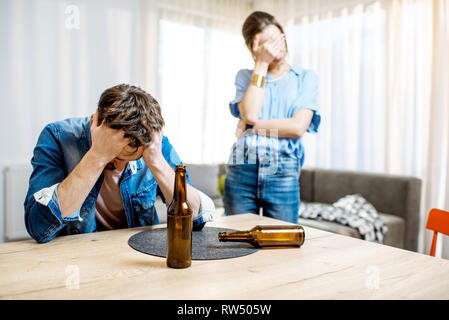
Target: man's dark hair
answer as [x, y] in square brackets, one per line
[126, 107]
[255, 23]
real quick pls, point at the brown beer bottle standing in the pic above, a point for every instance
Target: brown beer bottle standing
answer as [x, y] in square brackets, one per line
[267, 236]
[179, 224]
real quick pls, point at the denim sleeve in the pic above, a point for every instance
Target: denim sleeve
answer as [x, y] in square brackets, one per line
[43, 218]
[207, 207]
[242, 80]
[308, 99]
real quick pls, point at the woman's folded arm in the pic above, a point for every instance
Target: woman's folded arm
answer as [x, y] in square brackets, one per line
[293, 127]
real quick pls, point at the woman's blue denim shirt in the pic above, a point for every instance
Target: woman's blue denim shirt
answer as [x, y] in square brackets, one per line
[298, 89]
[60, 147]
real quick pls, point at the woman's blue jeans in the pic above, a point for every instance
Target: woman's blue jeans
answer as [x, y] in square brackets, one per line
[270, 183]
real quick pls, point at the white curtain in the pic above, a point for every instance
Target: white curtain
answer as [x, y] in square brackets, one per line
[194, 56]
[436, 168]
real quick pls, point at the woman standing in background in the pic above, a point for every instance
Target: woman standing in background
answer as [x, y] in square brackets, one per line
[276, 104]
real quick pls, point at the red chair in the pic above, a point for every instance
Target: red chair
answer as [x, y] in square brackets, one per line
[438, 221]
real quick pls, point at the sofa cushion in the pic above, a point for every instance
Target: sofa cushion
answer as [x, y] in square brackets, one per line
[205, 178]
[306, 184]
[330, 226]
[396, 230]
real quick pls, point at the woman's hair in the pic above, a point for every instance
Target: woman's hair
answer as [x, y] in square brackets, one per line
[255, 23]
[126, 107]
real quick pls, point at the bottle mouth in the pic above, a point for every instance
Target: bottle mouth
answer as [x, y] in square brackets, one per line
[221, 235]
[303, 237]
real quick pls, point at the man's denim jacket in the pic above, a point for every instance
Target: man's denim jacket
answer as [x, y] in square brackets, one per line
[60, 147]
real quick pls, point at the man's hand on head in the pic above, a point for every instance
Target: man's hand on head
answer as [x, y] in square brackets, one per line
[163, 172]
[152, 154]
[107, 143]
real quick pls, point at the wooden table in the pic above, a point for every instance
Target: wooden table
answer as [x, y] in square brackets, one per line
[328, 266]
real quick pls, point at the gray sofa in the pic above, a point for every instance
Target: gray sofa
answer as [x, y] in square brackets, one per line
[396, 198]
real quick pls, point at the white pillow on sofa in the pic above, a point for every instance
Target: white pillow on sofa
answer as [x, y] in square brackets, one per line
[351, 210]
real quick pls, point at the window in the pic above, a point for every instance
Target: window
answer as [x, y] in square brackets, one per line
[197, 68]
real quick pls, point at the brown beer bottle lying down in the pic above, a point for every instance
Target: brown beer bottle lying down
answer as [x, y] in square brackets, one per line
[267, 236]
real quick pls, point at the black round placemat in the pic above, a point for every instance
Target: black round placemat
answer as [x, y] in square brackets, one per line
[205, 244]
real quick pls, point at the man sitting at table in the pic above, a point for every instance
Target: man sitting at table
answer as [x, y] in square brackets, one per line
[104, 171]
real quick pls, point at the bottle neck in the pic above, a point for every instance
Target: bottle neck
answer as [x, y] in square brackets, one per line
[180, 190]
[234, 236]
